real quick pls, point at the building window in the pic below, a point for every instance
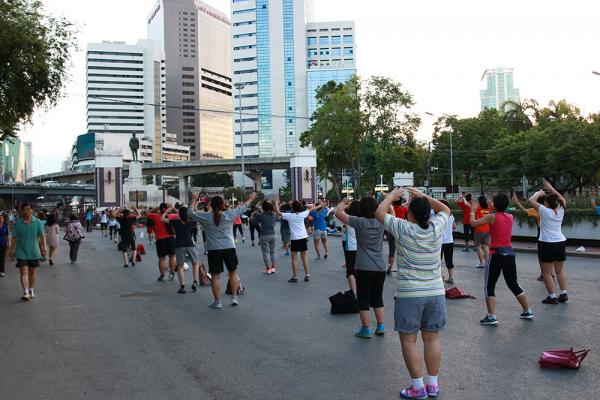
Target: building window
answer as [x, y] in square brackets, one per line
[347, 39]
[312, 41]
[336, 51]
[323, 40]
[335, 40]
[348, 51]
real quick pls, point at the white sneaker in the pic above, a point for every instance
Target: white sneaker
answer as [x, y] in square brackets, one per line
[2, 274]
[234, 301]
[31, 295]
[25, 296]
[215, 304]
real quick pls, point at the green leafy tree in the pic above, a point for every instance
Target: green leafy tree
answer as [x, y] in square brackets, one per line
[336, 132]
[390, 126]
[220, 179]
[34, 58]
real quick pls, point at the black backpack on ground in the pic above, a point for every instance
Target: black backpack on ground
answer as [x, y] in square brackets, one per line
[344, 303]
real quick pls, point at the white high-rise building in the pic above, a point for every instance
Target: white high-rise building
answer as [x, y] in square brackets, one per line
[196, 40]
[28, 149]
[125, 90]
[499, 88]
[269, 59]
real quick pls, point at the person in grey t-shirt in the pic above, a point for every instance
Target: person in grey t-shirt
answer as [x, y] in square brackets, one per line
[370, 267]
[266, 221]
[218, 225]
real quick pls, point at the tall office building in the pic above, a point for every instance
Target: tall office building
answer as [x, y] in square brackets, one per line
[196, 40]
[331, 49]
[12, 160]
[28, 154]
[269, 59]
[499, 88]
[125, 92]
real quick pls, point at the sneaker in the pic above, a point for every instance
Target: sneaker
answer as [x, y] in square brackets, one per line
[216, 304]
[161, 278]
[480, 266]
[194, 286]
[527, 314]
[268, 271]
[394, 269]
[273, 270]
[473, 249]
[293, 279]
[562, 298]
[389, 273]
[491, 321]
[2, 274]
[243, 240]
[132, 264]
[465, 250]
[432, 390]
[181, 290]
[364, 332]
[449, 281]
[50, 261]
[540, 278]
[25, 297]
[380, 330]
[550, 300]
[235, 301]
[317, 258]
[325, 256]
[307, 278]
[31, 294]
[171, 276]
[412, 393]
[287, 253]
[125, 266]
[252, 243]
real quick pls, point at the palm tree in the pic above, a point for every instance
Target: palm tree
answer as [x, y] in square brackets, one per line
[520, 116]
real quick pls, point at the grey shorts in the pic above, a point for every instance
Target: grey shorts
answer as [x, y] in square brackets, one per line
[425, 314]
[482, 238]
[181, 252]
[319, 234]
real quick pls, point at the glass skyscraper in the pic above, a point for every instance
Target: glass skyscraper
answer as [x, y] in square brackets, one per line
[499, 88]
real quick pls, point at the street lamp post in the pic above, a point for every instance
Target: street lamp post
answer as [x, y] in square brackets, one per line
[239, 86]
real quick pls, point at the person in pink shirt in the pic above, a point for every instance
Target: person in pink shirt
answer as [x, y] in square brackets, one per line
[502, 259]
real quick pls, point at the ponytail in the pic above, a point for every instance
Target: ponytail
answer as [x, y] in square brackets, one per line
[217, 206]
[554, 201]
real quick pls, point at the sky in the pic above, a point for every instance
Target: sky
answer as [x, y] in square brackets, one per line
[437, 49]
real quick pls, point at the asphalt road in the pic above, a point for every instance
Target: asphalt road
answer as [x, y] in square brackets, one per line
[98, 331]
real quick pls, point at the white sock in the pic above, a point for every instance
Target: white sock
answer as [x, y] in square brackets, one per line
[432, 380]
[563, 292]
[552, 295]
[31, 289]
[418, 383]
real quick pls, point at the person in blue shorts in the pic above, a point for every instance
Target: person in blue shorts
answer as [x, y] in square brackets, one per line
[320, 230]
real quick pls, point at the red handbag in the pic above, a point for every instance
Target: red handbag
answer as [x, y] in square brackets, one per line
[565, 358]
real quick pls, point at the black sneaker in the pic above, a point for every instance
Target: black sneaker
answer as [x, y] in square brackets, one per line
[194, 286]
[307, 278]
[389, 272]
[181, 290]
[125, 265]
[293, 279]
[550, 300]
[132, 264]
[325, 256]
[563, 298]
[161, 278]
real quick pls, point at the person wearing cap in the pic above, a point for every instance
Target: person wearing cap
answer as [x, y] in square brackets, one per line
[165, 240]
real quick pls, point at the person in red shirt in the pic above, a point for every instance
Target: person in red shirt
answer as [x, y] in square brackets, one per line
[165, 240]
[482, 232]
[400, 211]
[465, 203]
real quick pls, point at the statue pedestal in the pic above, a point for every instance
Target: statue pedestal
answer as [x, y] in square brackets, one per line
[135, 177]
[304, 176]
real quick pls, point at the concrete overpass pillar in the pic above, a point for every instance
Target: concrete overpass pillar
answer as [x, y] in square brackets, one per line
[256, 177]
[184, 189]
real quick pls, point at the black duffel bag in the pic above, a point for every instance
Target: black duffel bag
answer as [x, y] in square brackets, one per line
[343, 303]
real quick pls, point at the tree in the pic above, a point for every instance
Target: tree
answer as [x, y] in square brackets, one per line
[34, 57]
[219, 179]
[336, 132]
[390, 127]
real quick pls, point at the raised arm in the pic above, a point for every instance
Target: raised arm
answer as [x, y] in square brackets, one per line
[340, 212]
[320, 204]
[385, 205]
[436, 205]
[515, 200]
[551, 189]
[533, 200]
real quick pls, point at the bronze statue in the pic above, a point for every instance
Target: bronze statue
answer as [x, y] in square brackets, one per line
[134, 145]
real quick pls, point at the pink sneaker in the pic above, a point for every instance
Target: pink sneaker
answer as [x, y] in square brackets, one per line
[433, 390]
[412, 393]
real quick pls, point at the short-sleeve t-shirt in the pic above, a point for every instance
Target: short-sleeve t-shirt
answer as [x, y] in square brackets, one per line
[481, 213]
[218, 237]
[369, 241]
[531, 212]
[183, 233]
[127, 225]
[418, 256]
[296, 222]
[319, 221]
[350, 239]
[466, 209]
[550, 224]
[160, 228]
[28, 236]
[448, 238]
[266, 220]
